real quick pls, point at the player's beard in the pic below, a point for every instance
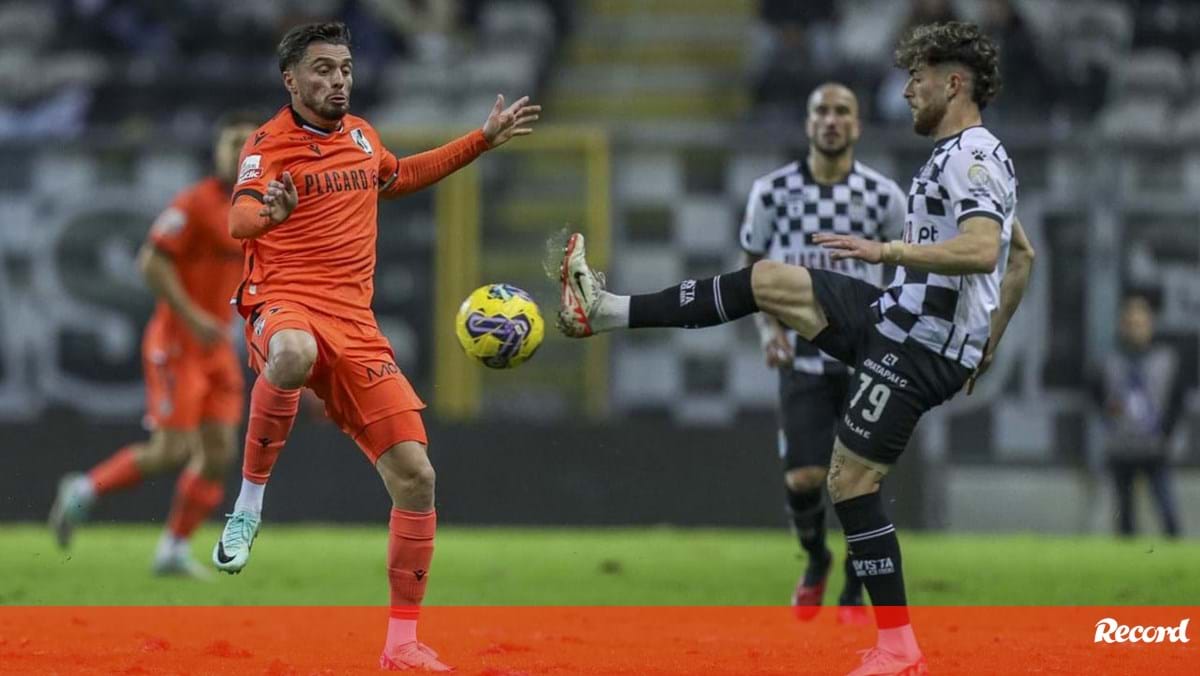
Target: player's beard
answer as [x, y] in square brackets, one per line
[928, 118]
[832, 151]
[327, 110]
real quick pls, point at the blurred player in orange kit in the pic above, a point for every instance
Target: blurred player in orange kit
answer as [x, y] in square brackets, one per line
[305, 206]
[195, 392]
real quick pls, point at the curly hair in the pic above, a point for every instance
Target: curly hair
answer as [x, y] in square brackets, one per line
[954, 42]
[296, 41]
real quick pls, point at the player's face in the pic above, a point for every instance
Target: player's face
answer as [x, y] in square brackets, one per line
[1137, 323]
[229, 146]
[323, 79]
[832, 124]
[926, 95]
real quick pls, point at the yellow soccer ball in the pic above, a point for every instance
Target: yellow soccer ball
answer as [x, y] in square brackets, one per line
[499, 326]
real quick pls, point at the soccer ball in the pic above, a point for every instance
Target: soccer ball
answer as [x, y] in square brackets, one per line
[499, 326]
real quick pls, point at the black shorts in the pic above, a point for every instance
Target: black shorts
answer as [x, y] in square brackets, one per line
[893, 383]
[809, 409]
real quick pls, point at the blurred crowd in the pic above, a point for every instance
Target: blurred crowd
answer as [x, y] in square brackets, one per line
[1072, 63]
[1129, 67]
[66, 65]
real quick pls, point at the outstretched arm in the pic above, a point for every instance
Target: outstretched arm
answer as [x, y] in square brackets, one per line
[422, 170]
[1012, 289]
[975, 250]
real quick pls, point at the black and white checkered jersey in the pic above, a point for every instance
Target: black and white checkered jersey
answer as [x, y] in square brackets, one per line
[968, 175]
[788, 206]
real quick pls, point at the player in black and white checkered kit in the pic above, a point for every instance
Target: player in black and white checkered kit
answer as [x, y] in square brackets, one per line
[968, 176]
[973, 262]
[828, 191]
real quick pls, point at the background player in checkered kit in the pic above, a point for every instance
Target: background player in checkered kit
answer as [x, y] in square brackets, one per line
[826, 191]
[963, 267]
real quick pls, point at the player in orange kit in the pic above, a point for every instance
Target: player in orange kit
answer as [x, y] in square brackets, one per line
[305, 206]
[194, 386]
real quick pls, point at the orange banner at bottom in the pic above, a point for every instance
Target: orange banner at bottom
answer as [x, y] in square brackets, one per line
[512, 641]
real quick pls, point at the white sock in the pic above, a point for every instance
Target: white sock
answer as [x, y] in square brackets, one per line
[85, 491]
[169, 545]
[612, 312]
[250, 498]
[400, 632]
[899, 641]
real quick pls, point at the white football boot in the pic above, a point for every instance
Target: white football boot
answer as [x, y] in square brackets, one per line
[581, 290]
[232, 552]
[71, 505]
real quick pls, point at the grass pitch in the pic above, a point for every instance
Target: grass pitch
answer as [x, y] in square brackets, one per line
[344, 565]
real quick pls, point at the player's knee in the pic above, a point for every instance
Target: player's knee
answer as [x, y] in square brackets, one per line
[805, 479]
[849, 477]
[292, 356]
[217, 454]
[766, 281]
[778, 286]
[167, 450]
[408, 476]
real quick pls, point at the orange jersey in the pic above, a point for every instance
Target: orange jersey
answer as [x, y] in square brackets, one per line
[193, 232]
[323, 255]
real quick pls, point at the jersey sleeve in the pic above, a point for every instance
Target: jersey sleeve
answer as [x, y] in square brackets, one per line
[892, 227]
[402, 175]
[261, 162]
[258, 165]
[758, 221]
[172, 229]
[977, 182]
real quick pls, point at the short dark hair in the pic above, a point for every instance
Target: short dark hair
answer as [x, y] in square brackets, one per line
[954, 42]
[291, 47]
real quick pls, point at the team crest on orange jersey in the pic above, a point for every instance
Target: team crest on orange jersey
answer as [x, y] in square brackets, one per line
[361, 139]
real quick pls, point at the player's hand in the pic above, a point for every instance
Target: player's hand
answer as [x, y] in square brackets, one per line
[984, 365]
[280, 200]
[847, 246]
[504, 123]
[206, 328]
[778, 350]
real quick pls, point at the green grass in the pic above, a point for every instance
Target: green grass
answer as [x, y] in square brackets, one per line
[339, 565]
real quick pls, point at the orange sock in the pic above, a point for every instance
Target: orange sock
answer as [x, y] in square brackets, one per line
[272, 412]
[195, 498]
[410, 551]
[118, 472]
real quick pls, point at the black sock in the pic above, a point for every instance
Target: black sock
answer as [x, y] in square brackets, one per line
[695, 304]
[872, 546]
[808, 520]
[852, 591]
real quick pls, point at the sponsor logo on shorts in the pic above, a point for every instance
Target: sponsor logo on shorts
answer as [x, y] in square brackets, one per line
[887, 374]
[871, 567]
[259, 325]
[855, 428]
[386, 368]
[687, 292]
[1108, 630]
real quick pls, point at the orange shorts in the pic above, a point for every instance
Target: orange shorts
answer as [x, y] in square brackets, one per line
[187, 385]
[355, 374]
